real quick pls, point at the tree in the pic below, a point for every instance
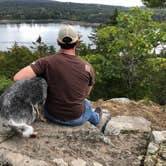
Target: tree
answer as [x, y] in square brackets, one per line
[113, 17]
[4, 83]
[122, 65]
[155, 3]
[18, 57]
[41, 49]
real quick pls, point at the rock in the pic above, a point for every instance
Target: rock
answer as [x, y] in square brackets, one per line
[107, 141]
[161, 163]
[97, 164]
[150, 160]
[78, 162]
[156, 152]
[60, 162]
[122, 100]
[84, 132]
[159, 136]
[162, 152]
[140, 158]
[121, 124]
[15, 159]
[106, 116]
[152, 148]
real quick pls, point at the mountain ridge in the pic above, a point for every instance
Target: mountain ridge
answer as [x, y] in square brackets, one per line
[53, 2]
[48, 9]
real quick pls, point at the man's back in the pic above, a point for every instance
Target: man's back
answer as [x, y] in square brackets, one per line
[69, 79]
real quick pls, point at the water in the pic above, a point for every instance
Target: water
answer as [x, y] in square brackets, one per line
[26, 33]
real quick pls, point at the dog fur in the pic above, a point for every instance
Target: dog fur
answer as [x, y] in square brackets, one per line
[20, 104]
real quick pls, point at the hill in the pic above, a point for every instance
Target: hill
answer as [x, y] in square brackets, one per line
[47, 9]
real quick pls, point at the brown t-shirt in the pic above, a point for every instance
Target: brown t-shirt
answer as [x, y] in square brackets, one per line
[69, 79]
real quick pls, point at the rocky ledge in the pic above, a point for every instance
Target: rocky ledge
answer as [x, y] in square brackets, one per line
[118, 140]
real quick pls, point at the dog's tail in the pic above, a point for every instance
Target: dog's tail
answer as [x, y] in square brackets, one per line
[21, 128]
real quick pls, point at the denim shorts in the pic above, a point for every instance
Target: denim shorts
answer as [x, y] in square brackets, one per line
[88, 115]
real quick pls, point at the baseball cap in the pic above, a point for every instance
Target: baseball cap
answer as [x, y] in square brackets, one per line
[67, 34]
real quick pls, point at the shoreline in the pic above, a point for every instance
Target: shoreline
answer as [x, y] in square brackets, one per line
[49, 21]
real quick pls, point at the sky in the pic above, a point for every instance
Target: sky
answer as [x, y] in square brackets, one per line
[127, 3]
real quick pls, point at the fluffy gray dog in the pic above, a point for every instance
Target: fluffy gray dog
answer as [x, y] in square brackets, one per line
[19, 105]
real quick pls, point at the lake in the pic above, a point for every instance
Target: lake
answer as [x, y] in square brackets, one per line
[26, 33]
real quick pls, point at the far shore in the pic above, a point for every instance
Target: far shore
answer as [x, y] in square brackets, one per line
[50, 21]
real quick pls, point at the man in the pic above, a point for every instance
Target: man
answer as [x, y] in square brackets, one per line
[69, 80]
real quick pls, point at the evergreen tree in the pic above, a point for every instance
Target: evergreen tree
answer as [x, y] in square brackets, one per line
[155, 3]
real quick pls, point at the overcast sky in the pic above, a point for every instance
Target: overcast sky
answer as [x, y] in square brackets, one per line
[127, 3]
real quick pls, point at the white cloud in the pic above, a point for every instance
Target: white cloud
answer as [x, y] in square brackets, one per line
[127, 3]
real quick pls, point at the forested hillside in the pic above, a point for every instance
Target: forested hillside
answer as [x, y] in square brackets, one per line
[47, 9]
[159, 14]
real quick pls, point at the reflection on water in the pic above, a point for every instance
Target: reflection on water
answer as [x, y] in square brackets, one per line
[26, 33]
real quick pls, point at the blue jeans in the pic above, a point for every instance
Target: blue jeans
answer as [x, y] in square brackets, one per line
[88, 115]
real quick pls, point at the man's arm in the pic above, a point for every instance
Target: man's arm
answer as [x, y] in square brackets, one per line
[88, 91]
[25, 73]
[90, 88]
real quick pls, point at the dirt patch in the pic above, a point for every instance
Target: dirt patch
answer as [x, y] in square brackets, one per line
[151, 111]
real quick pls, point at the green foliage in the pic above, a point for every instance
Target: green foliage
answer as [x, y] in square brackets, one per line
[124, 59]
[125, 64]
[158, 80]
[14, 59]
[107, 79]
[4, 83]
[113, 17]
[146, 101]
[18, 57]
[154, 3]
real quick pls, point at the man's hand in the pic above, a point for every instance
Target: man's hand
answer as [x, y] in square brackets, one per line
[25, 73]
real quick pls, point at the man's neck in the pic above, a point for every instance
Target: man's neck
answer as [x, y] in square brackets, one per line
[69, 52]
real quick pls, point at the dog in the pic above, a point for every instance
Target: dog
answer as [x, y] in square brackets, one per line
[20, 105]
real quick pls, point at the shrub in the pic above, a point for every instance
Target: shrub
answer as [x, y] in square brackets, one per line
[4, 83]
